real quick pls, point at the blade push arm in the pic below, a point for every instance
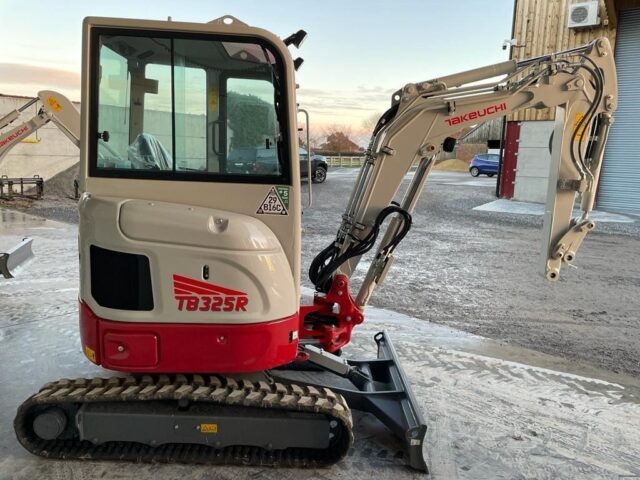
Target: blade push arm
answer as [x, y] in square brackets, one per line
[581, 82]
[55, 108]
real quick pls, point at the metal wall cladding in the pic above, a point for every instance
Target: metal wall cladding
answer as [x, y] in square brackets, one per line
[620, 179]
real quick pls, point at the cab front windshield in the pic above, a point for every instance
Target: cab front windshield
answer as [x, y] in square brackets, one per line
[189, 108]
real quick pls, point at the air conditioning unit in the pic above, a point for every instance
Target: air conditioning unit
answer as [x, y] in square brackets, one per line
[583, 14]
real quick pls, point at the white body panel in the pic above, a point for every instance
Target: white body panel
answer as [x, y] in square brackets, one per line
[242, 254]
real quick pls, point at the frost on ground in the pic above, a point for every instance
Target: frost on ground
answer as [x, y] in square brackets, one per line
[487, 417]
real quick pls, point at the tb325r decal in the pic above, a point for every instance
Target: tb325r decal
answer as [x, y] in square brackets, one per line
[195, 295]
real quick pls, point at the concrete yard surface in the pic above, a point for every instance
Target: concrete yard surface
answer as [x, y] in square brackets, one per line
[503, 205]
[493, 410]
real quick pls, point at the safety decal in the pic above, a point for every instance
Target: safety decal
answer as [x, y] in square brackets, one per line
[54, 104]
[208, 428]
[195, 295]
[576, 122]
[276, 202]
[213, 99]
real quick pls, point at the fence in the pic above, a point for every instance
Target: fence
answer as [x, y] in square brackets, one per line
[345, 161]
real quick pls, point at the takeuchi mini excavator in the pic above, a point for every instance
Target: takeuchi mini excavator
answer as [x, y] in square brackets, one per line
[190, 233]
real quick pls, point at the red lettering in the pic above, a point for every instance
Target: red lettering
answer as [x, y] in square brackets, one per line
[229, 303]
[476, 114]
[195, 295]
[192, 304]
[216, 304]
[206, 304]
[241, 303]
[180, 302]
[14, 135]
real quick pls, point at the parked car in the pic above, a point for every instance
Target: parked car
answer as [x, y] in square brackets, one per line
[319, 166]
[258, 161]
[264, 161]
[484, 163]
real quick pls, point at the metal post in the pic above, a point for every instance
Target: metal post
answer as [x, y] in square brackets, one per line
[306, 115]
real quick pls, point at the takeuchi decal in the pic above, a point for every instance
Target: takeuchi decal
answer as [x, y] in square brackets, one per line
[195, 295]
[14, 135]
[499, 107]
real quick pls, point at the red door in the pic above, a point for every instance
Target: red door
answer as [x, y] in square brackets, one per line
[509, 160]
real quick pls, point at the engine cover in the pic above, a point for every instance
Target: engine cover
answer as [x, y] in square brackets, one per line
[158, 262]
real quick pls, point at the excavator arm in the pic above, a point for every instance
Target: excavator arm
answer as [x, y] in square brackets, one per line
[580, 83]
[55, 108]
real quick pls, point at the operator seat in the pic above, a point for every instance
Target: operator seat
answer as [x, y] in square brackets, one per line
[147, 153]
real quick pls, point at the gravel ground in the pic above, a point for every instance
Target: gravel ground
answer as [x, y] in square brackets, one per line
[480, 271]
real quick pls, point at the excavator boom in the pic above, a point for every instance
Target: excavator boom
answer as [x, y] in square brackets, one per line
[55, 108]
[424, 117]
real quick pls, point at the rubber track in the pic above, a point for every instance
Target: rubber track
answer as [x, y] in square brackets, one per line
[190, 388]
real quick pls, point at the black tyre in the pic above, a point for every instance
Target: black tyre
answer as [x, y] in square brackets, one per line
[319, 175]
[474, 171]
[490, 175]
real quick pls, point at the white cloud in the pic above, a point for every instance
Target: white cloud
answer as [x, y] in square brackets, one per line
[339, 106]
[24, 79]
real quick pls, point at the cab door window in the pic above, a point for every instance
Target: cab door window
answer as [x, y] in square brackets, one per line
[188, 109]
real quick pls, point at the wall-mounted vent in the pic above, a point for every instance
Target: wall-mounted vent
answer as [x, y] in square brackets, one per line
[583, 14]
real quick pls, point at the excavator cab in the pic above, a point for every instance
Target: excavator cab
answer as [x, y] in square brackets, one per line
[190, 220]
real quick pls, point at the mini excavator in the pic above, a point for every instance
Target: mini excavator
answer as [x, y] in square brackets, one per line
[190, 243]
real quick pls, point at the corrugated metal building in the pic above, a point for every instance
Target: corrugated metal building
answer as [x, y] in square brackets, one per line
[542, 26]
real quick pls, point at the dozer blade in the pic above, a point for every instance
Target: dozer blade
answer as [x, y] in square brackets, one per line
[15, 257]
[392, 400]
[386, 394]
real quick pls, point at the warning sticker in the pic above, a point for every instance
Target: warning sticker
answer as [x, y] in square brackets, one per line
[576, 121]
[213, 99]
[54, 104]
[208, 428]
[276, 202]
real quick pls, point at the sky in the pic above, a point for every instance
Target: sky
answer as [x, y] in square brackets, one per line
[356, 54]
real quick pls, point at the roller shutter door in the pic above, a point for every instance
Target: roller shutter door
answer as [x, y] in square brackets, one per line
[620, 179]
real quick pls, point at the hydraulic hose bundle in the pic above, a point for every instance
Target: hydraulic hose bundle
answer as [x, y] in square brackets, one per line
[329, 260]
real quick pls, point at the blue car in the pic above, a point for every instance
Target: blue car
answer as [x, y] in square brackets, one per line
[485, 163]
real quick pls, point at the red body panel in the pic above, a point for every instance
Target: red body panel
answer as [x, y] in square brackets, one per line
[219, 348]
[187, 347]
